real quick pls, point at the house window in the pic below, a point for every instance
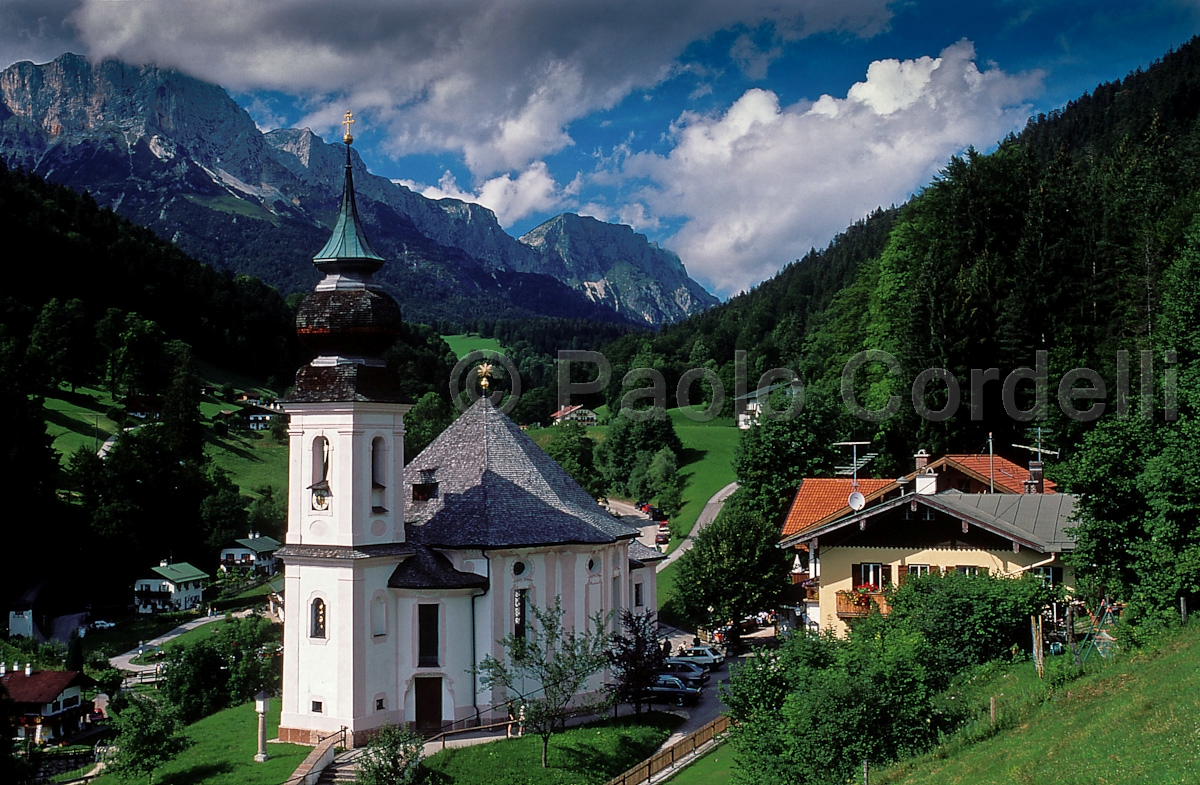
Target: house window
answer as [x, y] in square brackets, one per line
[917, 570]
[616, 602]
[520, 598]
[318, 619]
[638, 598]
[424, 491]
[379, 704]
[320, 460]
[1051, 576]
[873, 573]
[427, 635]
[970, 569]
[317, 707]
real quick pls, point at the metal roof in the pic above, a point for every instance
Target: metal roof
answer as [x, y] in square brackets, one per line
[180, 572]
[348, 240]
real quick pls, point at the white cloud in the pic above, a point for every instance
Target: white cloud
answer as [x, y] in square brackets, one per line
[497, 81]
[533, 191]
[760, 184]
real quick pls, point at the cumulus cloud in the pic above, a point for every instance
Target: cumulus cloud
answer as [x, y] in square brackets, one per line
[497, 81]
[533, 191]
[759, 184]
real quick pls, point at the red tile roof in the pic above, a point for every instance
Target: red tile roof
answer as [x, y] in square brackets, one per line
[821, 497]
[1009, 476]
[39, 686]
[563, 412]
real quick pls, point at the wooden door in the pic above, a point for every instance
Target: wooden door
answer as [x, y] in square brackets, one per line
[429, 703]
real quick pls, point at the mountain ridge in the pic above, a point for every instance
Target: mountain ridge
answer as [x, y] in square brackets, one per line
[182, 157]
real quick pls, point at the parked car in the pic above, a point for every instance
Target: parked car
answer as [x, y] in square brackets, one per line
[655, 514]
[705, 656]
[668, 688]
[664, 525]
[663, 537]
[690, 673]
[101, 624]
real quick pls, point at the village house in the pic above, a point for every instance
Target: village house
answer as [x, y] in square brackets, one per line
[254, 552]
[575, 413]
[399, 580]
[45, 705]
[170, 587]
[940, 517]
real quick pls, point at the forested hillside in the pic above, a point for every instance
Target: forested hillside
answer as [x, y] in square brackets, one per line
[1062, 240]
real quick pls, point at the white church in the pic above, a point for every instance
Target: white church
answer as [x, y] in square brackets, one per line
[399, 580]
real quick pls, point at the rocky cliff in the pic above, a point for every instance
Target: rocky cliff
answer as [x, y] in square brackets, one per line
[180, 156]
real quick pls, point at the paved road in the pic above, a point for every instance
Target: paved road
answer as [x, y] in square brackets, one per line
[707, 515]
[124, 661]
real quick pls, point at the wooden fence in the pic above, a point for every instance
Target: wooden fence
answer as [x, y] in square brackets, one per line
[642, 772]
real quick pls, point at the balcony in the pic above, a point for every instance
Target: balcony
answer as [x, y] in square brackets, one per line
[853, 605]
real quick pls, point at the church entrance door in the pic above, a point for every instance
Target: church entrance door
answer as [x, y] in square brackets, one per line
[429, 703]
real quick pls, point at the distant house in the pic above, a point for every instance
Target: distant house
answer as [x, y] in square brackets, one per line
[170, 587]
[46, 705]
[749, 407]
[574, 414]
[941, 517]
[253, 552]
[22, 620]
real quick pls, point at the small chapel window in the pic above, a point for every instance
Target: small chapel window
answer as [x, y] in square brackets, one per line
[378, 474]
[318, 618]
[427, 634]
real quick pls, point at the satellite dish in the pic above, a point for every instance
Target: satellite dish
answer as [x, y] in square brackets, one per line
[857, 501]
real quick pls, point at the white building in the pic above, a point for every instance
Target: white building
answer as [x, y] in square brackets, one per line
[254, 552]
[398, 581]
[170, 587]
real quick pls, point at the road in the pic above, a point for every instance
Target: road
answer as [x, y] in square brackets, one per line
[650, 528]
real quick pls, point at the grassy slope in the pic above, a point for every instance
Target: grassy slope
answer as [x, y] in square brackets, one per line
[1135, 721]
[464, 344]
[223, 750]
[581, 756]
[253, 459]
[714, 768]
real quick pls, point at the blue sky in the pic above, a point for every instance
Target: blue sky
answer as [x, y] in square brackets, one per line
[738, 134]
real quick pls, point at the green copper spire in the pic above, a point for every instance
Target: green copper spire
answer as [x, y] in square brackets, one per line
[349, 241]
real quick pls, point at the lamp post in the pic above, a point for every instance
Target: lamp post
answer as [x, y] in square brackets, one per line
[262, 702]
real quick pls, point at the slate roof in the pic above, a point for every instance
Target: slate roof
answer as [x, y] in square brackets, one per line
[640, 555]
[347, 382]
[180, 572]
[1035, 520]
[497, 489]
[428, 569]
[40, 686]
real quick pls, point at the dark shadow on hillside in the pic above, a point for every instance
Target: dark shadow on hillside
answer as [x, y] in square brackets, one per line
[231, 446]
[64, 420]
[195, 775]
[690, 455]
[81, 399]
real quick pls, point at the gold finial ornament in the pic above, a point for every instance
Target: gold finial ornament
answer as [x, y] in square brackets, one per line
[348, 121]
[484, 371]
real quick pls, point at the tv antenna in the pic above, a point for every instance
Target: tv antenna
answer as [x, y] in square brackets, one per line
[1039, 449]
[856, 501]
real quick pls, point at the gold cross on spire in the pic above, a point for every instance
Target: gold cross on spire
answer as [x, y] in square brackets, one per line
[348, 121]
[484, 370]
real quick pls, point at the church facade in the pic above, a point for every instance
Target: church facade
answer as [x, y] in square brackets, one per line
[400, 580]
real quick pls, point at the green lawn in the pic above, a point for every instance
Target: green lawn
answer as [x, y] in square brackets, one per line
[1135, 721]
[253, 460]
[132, 630]
[715, 767]
[465, 343]
[78, 419]
[706, 465]
[222, 752]
[588, 755]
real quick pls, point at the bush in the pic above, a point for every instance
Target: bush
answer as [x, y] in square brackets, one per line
[391, 757]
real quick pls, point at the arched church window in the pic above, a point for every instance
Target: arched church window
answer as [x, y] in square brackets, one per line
[320, 474]
[318, 618]
[379, 472]
[378, 617]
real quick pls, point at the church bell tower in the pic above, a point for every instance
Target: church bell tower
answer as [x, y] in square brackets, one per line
[345, 512]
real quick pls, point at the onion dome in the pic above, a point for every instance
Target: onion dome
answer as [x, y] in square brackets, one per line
[348, 321]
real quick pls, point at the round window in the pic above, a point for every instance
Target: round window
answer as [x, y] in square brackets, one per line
[519, 568]
[591, 565]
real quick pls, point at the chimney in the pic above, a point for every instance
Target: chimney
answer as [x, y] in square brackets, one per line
[922, 459]
[926, 482]
[1036, 482]
[164, 563]
[29, 669]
